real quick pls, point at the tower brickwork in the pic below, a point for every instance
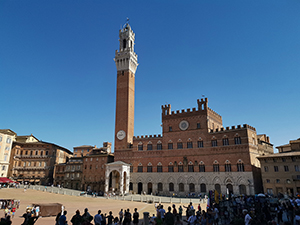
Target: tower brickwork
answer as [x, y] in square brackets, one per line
[126, 63]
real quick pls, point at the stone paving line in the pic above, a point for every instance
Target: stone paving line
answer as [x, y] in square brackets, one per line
[72, 203]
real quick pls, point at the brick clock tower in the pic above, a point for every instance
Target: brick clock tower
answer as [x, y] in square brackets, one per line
[126, 63]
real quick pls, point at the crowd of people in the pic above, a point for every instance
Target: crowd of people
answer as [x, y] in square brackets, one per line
[10, 207]
[259, 210]
[193, 216]
[124, 218]
[237, 210]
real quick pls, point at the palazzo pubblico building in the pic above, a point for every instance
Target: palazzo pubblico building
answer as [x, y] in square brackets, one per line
[194, 153]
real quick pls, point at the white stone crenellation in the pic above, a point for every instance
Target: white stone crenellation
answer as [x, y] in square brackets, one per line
[126, 61]
[125, 57]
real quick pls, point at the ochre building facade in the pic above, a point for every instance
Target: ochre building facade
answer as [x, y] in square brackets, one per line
[281, 171]
[33, 161]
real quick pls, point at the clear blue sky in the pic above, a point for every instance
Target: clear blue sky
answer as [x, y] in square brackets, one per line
[58, 77]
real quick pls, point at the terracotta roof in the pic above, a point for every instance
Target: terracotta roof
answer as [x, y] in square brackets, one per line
[42, 143]
[7, 131]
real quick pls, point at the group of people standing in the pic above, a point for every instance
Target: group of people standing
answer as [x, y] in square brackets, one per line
[9, 212]
[193, 217]
[124, 218]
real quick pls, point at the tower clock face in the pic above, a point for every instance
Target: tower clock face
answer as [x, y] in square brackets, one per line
[121, 134]
[183, 125]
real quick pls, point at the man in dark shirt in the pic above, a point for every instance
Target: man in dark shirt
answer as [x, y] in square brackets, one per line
[63, 219]
[169, 217]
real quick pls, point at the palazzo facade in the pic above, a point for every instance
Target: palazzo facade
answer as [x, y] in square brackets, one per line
[33, 161]
[194, 153]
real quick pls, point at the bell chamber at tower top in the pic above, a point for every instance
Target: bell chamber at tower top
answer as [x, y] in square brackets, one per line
[125, 57]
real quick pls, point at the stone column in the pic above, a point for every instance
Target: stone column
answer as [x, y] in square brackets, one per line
[127, 183]
[106, 180]
[122, 181]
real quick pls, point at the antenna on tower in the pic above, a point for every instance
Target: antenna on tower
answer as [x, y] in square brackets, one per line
[127, 22]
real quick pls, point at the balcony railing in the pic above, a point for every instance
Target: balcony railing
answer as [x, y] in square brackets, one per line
[31, 156]
[30, 168]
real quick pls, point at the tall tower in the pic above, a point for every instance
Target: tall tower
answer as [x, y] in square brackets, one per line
[126, 62]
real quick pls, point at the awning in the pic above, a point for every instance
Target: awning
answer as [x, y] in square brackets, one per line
[4, 180]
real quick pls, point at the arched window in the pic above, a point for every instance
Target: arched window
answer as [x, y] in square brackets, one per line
[149, 168]
[140, 147]
[230, 188]
[159, 187]
[159, 146]
[240, 167]
[171, 187]
[179, 145]
[201, 167]
[242, 189]
[225, 141]
[192, 187]
[124, 43]
[159, 168]
[170, 168]
[189, 144]
[140, 168]
[202, 187]
[149, 146]
[216, 166]
[227, 166]
[180, 167]
[181, 187]
[214, 143]
[190, 167]
[218, 188]
[237, 140]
